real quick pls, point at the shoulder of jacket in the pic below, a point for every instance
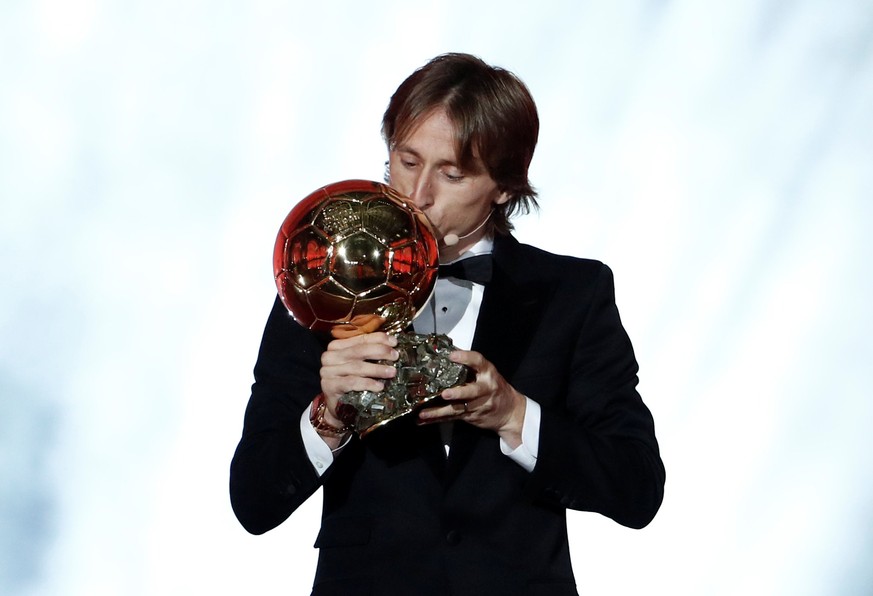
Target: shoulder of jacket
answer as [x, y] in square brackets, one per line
[544, 260]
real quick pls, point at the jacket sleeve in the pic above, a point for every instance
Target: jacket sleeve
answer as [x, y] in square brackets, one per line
[599, 452]
[270, 474]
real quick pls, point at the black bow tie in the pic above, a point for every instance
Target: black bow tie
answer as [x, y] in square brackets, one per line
[477, 269]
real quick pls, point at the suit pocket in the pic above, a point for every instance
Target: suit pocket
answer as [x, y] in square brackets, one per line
[344, 531]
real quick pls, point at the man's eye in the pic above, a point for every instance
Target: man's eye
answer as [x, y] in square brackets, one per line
[408, 164]
[454, 177]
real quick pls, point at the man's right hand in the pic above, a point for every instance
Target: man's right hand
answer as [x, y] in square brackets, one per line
[349, 364]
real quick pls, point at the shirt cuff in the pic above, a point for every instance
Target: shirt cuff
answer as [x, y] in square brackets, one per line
[525, 454]
[316, 449]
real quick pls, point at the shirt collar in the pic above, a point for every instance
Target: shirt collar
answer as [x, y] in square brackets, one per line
[483, 247]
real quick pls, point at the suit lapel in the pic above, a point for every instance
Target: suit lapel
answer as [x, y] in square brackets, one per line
[510, 311]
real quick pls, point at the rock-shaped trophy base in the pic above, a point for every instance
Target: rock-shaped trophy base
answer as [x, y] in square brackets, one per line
[423, 372]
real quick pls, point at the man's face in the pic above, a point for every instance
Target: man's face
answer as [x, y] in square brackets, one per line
[424, 167]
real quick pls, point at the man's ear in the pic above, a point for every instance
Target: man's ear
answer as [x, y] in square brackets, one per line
[501, 198]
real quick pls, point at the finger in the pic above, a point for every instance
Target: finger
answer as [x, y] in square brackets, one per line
[442, 413]
[355, 376]
[378, 337]
[359, 368]
[359, 352]
[465, 392]
[359, 325]
[474, 360]
[336, 386]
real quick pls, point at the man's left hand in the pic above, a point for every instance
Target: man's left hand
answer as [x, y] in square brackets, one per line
[488, 401]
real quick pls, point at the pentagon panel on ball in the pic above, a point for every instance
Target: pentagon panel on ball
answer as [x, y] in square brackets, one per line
[351, 249]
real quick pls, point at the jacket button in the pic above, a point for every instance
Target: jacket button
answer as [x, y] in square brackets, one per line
[453, 537]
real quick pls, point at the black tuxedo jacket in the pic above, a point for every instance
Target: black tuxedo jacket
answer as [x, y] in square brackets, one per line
[399, 518]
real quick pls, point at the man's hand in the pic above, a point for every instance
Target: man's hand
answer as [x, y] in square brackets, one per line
[488, 401]
[349, 365]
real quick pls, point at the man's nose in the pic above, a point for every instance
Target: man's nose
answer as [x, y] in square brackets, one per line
[422, 190]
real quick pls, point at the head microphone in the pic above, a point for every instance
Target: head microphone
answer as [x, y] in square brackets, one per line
[453, 239]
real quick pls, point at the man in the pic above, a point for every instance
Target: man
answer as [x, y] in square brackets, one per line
[469, 496]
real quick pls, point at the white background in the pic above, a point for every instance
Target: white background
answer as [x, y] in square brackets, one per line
[718, 156]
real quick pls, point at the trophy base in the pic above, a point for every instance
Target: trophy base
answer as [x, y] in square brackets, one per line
[423, 372]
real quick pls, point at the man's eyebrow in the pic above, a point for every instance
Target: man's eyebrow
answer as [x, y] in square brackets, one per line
[401, 148]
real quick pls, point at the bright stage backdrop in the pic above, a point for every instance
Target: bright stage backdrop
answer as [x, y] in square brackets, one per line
[719, 156]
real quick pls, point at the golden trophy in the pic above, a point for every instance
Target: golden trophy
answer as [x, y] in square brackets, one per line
[355, 253]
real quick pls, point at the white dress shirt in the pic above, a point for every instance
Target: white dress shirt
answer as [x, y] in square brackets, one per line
[453, 309]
